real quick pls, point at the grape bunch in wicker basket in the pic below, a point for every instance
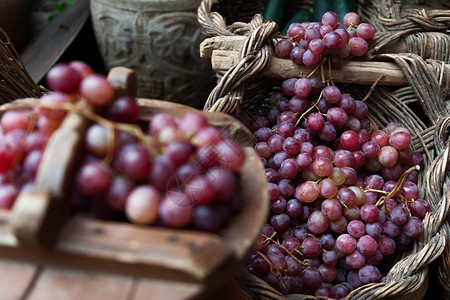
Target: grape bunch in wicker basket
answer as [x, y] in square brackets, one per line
[410, 47]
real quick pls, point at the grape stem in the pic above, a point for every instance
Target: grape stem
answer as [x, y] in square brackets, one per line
[329, 73]
[316, 68]
[406, 206]
[78, 107]
[375, 190]
[267, 260]
[290, 253]
[31, 125]
[374, 123]
[309, 109]
[372, 88]
[342, 203]
[269, 238]
[398, 187]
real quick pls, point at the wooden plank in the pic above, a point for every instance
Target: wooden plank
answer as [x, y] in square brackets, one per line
[118, 247]
[230, 43]
[365, 72]
[70, 284]
[224, 53]
[235, 42]
[43, 51]
[15, 278]
[165, 290]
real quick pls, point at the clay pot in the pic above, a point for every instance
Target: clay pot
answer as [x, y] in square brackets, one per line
[14, 20]
[159, 40]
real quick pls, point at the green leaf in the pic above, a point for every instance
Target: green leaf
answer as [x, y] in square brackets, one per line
[58, 6]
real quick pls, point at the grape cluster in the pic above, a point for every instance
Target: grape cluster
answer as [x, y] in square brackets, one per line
[343, 194]
[188, 177]
[25, 132]
[176, 172]
[180, 173]
[16, 151]
[306, 43]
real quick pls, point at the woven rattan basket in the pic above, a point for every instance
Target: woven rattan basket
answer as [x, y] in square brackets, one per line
[417, 42]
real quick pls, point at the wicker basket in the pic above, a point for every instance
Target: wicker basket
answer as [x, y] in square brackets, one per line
[420, 104]
[15, 82]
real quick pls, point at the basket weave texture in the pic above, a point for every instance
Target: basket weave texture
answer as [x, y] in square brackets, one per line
[15, 82]
[422, 106]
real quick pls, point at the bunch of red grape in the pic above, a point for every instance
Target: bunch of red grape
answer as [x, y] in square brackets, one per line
[183, 173]
[25, 132]
[307, 43]
[19, 157]
[329, 174]
[170, 172]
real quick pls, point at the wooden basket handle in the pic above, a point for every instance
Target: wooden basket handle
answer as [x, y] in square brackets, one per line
[38, 214]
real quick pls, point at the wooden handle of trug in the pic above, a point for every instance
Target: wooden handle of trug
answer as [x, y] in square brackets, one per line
[38, 214]
[124, 81]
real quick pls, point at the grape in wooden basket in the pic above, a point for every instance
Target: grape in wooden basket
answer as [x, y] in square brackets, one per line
[25, 132]
[308, 43]
[179, 173]
[176, 173]
[343, 193]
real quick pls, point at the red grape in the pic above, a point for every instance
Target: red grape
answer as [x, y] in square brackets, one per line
[97, 90]
[93, 178]
[358, 46]
[176, 209]
[124, 109]
[351, 19]
[63, 78]
[283, 48]
[365, 31]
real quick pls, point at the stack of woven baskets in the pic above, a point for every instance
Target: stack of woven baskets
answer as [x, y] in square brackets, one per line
[422, 105]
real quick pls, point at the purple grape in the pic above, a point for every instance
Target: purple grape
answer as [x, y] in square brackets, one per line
[278, 206]
[367, 245]
[280, 222]
[386, 245]
[374, 229]
[399, 215]
[296, 55]
[390, 229]
[329, 258]
[311, 277]
[356, 228]
[369, 274]
[311, 247]
[283, 48]
[337, 116]
[332, 94]
[346, 243]
[355, 259]
[413, 227]
[302, 87]
[294, 208]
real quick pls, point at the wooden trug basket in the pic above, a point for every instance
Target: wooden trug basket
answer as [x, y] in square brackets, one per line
[41, 230]
[414, 93]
